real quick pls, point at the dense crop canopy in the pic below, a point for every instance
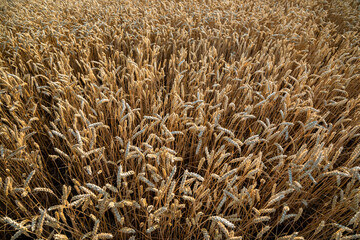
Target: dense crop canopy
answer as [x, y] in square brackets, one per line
[129, 119]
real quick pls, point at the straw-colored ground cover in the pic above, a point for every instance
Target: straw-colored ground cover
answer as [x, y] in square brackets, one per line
[206, 119]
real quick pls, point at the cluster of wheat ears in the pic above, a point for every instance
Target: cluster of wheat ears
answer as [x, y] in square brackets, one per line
[129, 119]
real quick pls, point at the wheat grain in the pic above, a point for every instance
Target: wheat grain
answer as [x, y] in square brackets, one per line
[28, 179]
[48, 190]
[19, 233]
[320, 227]
[267, 210]
[95, 188]
[283, 215]
[152, 229]
[94, 125]
[223, 220]
[145, 180]
[195, 175]
[127, 230]
[263, 231]
[8, 185]
[355, 236]
[41, 221]
[261, 219]
[12, 223]
[61, 153]
[355, 219]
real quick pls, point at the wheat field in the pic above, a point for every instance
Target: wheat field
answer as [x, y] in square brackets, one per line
[134, 119]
